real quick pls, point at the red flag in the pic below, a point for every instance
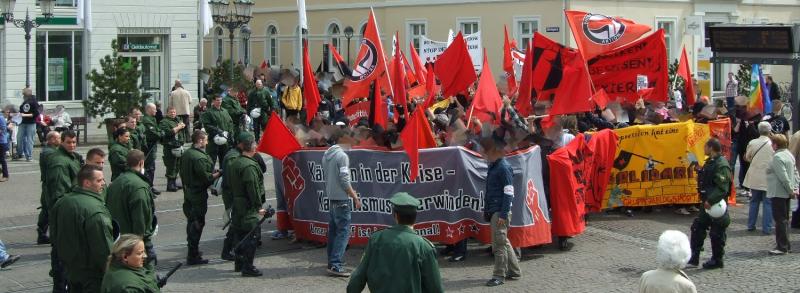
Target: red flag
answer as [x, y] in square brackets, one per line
[430, 86]
[686, 73]
[344, 70]
[415, 136]
[369, 65]
[600, 99]
[598, 34]
[567, 191]
[310, 90]
[377, 107]
[574, 92]
[355, 112]
[487, 99]
[264, 64]
[399, 78]
[524, 100]
[454, 68]
[508, 64]
[603, 145]
[548, 69]
[617, 71]
[277, 140]
[419, 68]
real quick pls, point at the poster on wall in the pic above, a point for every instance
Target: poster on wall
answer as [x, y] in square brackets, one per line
[430, 49]
[56, 74]
[704, 71]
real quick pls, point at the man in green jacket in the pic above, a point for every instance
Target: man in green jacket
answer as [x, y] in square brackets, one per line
[227, 198]
[231, 104]
[397, 259]
[82, 231]
[714, 185]
[62, 166]
[198, 173]
[53, 141]
[172, 130]
[217, 122]
[137, 140]
[260, 98]
[118, 152]
[152, 135]
[130, 202]
[247, 187]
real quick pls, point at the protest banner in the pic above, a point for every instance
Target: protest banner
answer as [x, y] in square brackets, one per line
[430, 49]
[451, 186]
[656, 164]
[357, 111]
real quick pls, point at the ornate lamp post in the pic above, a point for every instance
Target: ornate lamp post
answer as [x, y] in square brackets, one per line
[28, 25]
[348, 33]
[245, 32]
[231, 16]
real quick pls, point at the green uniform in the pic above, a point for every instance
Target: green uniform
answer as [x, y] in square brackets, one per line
[61, 175]
[260, 99]
[130, 202]
[137, 140]
[197, 175]
[234, 108]
[247, 187]
[217, 121]
[397, 260]
[227, 194]
[82, 234]
[714, 184]
[171, 140]
[123, 279]
[118, 158]
[152, 135]
[43, 222]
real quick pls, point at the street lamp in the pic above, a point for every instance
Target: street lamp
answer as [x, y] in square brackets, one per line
[348, 33]
[28, 25]
[245, 32]
[231, 16]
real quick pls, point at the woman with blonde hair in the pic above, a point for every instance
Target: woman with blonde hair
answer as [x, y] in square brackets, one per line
[126, 272]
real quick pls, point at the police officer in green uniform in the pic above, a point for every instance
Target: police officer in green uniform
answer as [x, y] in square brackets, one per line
[247, 188]
[118, 152]
[217, 122]
[231, 104]
[714, 183]
[137, 136]
[82, 231]
[130, 202]
[152, 135]
[198, 173]
[172, 130]
[396, 258]
[53, 141]
[62, 168]
[126, 268]
[227, 199]
[260, 98]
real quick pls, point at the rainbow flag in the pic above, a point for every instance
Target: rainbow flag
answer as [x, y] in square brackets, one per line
[759, 92]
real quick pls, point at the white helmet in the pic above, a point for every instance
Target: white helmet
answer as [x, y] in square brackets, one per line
[217, 185]
[177, 152]
[718, 209]
[220, 140]
[255, 113]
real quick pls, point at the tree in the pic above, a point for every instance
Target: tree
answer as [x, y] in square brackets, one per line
[672, 72]
[743, 77]
[115, 89]
[221, 78]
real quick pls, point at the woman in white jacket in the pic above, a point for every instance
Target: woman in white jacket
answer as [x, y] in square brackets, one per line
[759, 154]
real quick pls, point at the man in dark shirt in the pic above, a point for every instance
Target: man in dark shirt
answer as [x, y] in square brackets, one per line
[29, 109]
[779, 123]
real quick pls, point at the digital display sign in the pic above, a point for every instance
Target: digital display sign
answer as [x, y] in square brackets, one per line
[753, 39]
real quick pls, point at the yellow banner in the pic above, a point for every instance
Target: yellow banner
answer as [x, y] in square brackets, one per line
[655, 165]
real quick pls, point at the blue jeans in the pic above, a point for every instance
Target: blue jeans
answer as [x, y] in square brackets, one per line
[760, 197]
[338, 231]
[27, 132]
[3, 254]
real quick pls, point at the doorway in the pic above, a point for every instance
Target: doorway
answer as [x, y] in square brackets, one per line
[148, 50]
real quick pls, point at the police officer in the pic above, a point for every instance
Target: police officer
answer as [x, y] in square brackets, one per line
[118, 152]
[260, 98]
[172, 130]
[82, 231]
[53, 141]
[126, 267]
[247, 188]
[61, 175]
[227, 199]
[231, 104]
[152, 135]
[130, 202]
[218, 123]
[137, 138]
[397, 259]
[197, 171]
[714, 183]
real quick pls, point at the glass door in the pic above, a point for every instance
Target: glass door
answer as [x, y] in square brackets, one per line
[151, 81]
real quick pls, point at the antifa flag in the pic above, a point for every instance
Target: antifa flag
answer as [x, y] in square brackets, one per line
[622, 160]
[508, 64]
[370, 64]
[560, 75]
[344, 70]
[548, 66]
[616, 71]
[377, 107]
[597, 34]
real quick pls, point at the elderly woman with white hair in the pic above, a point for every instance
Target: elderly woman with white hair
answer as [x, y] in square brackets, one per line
[759, 153]
[672, 254]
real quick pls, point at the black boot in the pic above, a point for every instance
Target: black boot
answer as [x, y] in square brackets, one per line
[251, 271]
[155, 191]
[195, 258]
[227, 246]
[694, 261]
[713, 263]
[171, 185]
[42, 238]
[248, 269]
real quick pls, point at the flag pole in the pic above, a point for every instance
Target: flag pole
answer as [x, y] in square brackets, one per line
[385, 66]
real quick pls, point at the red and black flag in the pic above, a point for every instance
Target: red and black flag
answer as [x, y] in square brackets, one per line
[344, 70]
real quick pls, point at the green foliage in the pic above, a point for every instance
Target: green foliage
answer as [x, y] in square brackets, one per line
[115, 89]
[743, 77]
[673, 74]
[221, 77]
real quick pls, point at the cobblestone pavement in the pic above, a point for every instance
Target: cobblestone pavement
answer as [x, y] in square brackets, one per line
[609, 257]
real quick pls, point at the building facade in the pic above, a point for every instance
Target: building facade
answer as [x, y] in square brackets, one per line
[275, 35]
[164, 37]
